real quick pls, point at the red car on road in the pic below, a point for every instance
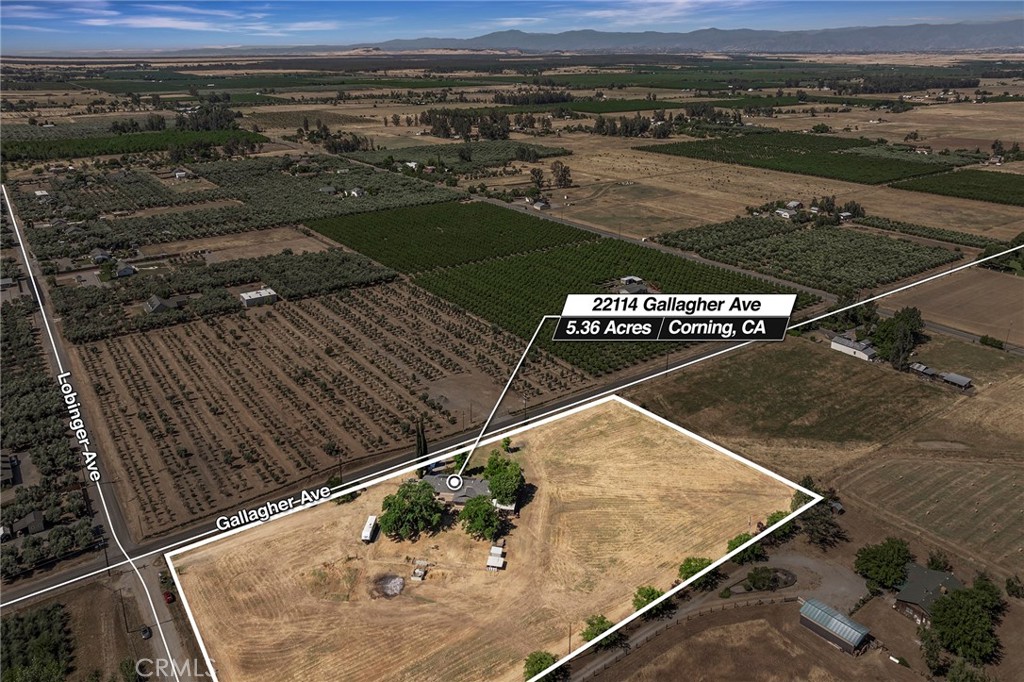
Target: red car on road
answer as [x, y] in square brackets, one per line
[168, 598]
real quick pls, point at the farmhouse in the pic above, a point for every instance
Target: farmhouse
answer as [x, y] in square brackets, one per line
[471, 487]
[864, 351]
[838, 630]
[958, 380]
[786, 213]
[794, 205]
[631, 279]
[251, 299]
[921, 590]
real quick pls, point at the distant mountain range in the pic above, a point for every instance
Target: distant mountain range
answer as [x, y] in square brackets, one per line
[915, 38]
[1001, 35]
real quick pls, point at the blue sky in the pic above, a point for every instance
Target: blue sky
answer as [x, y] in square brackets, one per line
[40, 26]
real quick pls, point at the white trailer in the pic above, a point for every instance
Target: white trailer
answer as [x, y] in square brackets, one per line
[370, 529]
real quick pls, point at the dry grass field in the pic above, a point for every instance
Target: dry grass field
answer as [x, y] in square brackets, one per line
[620, 499]
[206, 415]
[977, 300]
[642, 194]
[973, 505]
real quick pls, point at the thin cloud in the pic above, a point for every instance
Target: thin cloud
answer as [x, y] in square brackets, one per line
[156, 22]
[24, 12]
[37, 29]
[184, 9]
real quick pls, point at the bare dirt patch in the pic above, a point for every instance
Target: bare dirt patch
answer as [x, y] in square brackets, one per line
[619, 500]
[722, 646]
[242, 245]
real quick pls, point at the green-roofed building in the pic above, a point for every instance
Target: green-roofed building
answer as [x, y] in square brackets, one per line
[837, 629]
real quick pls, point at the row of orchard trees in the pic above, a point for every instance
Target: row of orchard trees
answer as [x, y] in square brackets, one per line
[32, 423]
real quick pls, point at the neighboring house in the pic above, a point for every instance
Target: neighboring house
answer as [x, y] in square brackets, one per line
[42, 195]
[124, 269]
[99, 256]
[786, 213]
[155, 304]
[631, 279]
[30, 524]
[355, 192]
[921, 590]
[958, 380]
[864, 351]
[251, 299]
[412, 164]
[844, 216]
[839, 630]
[794, 205]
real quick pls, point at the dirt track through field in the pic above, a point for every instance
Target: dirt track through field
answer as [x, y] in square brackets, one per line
[620, 500]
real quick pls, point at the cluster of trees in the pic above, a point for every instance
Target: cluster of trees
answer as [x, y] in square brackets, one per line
[522, 98]
[93, 313]
[132, 125]
[209, 116]
[539, 661]
[884, 565]
[37, 645]
[632, 126]
[411, 511]
[1011, 262]
[491, 124]
[504, 476]
[32, 423]
[896, 337]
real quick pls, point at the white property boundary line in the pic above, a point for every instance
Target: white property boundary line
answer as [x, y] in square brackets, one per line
[815, 498]
[99, 485]
[528, 420]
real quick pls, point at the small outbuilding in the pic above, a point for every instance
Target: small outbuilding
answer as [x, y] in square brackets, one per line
[839, 630]
[251, 299]
[6, 283]
[30, 524]
[863, 351]
[633, 289]
[923, 370]
[328, 190]
[958, 380]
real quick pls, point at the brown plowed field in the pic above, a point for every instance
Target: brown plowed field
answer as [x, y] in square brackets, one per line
[207, 415]
[978, 301]
[620, 500]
